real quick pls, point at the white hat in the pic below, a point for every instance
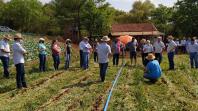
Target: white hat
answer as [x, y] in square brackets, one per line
[42, 39]
[18, 36]
[105, 39]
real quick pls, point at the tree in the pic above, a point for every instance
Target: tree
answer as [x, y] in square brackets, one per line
[142, 10]
[162, 18]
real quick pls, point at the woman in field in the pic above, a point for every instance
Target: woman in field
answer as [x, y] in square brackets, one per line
[56, 50]
[153, 70]
[67, 53]
[42, 54]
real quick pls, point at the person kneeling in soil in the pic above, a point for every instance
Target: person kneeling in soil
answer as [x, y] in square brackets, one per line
[103, 53]
[153, 70]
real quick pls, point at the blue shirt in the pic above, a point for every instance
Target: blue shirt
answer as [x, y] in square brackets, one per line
[42, 49]
[153, 69]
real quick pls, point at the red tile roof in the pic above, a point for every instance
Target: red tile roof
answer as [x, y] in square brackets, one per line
[135, 27]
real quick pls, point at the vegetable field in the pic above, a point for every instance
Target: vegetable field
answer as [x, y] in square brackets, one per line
[79, 90]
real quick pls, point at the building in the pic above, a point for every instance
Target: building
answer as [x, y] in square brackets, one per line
[137, 30]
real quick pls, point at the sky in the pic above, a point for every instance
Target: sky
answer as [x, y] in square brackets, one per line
[126, 5]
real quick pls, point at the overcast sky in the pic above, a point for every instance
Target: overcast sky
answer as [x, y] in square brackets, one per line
[126, 5]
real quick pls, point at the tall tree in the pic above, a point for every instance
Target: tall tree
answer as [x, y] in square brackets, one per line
[185, 17]
[142, 10]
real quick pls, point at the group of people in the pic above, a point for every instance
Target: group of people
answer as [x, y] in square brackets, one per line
[151, 55]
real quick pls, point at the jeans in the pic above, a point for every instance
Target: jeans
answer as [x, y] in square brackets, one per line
[85, 60]
[81, 59]
[20, 76]
[95, 57]
[116, 59]
[56, 59]
[193, 59]
[42, 59]
[103, 70]
[67, 61]
[5, 62]
[153, 80]
[171, 60]
[158, 57]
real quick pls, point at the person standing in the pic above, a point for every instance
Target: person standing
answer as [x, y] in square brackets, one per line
[153, 70]
[103, 53]
[116, 48]
[56, 50]
[95, 47]
[18, 57]
[5, 54]
[158, 47]
[86, 53]
[171, 52]
[68, 53]
[183, 45]
[132, 46]
[193, 52]
[42, 54]
[142, 43]
[147, 48]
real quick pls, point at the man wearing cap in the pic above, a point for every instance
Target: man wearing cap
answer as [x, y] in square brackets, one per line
[192, 49]
[86, 52]
[103, 53]
[5, 54]
[42, 54]
[171, 52]
[18, 57]
[153, 70]
[158, 47]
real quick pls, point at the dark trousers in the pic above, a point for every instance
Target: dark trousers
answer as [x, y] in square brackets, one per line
[95, 57]
[5, 62]
[85, 60]
[103, 70]
[56, 59]
[42, 59]
[20, 76]
[67, 61]
[145, 62]
[158, 57]
[116, 59]
[171, 60]
[193, 60]
[81, 58]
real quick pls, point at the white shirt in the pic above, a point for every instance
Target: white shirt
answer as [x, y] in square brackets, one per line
[192, 48]
[86, 47]
[5, 46]
[103, 52]
[18, 53]
[81, 44]
[171, 46]
[183, 42]
[158, 47]
[147, 48]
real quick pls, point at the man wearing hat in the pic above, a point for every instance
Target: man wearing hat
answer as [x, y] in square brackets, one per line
[42, 54]
[158, 47]
[5, 54]
[171, 52]
[153, 71]
[147, 48]
[103, 53]
[81, 45]
[18, 57]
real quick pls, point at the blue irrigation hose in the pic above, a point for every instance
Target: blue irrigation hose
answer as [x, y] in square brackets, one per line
[114, 83]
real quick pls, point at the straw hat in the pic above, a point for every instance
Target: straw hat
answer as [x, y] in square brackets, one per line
[148, 41]
[18, 36]
[8, 37]
[150, 57]
[159, 37]
[41, 39]
[170, 37]
[143, 41]
[105, 39]
[68, 40]
[86, 38]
